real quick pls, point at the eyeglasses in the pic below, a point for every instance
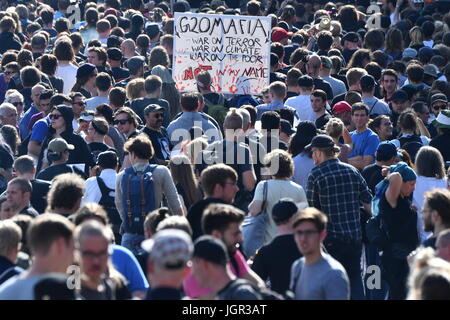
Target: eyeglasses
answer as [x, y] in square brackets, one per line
[92, 255]
[18, 103]
[440, 107]
[55, 116]
[7, 73]
[122, 122]
[306, 233]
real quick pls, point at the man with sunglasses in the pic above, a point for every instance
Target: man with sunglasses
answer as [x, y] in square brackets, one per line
[126, 122]
[35, 97]
[317, 275]
[438, 103]
[78, 106]
[153, 115]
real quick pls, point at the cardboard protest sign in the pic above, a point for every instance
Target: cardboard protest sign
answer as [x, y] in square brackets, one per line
[235, 50]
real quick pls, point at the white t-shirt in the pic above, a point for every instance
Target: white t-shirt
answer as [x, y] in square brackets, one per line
[302, 105]
[69, 75]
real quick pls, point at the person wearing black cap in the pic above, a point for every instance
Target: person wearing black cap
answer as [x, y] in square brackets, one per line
[154, 33]
[136, 67]
[85, 83]
[210, 268]
[399, 103]
[340, 199]
[376, 106]
[114, 59]
[349, 43]
[61, 126]
[153, 115]
[274, 260]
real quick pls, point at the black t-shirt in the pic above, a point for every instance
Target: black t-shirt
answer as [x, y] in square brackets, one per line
[161, 143]
[120, 73]
[39, 195]
[322, 121]
[325, 86]
[48, 174]
[269, 145]
[441, 143]
[85, 93]
[99, 147]
[164, 293]
[195, 214]
[6, 157]
[29, 211]
[277, 76]
[138, 106]
[274, 260]
[372, 175]
[347, 54]
[290, 94]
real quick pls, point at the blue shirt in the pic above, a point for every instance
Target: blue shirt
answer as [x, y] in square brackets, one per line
[126, 263]
[23, 126]
[364, 143]
[274, 105]
[40, 130]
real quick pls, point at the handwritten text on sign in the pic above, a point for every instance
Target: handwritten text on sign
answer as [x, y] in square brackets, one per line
[235, 50]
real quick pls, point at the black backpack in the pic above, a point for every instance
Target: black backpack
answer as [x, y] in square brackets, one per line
[411, 144]
[107, 202]
[264, 293]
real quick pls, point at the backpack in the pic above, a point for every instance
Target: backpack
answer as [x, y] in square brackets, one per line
[107, 202]
[138, 196]
[217, 111]
[411, 144]
[264, 293]
[376, 228]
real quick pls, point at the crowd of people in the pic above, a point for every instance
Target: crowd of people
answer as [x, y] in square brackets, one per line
[332, 183]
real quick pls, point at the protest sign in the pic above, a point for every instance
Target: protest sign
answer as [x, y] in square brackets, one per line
[235, 50]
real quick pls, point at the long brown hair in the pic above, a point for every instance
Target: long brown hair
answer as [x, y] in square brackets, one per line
[183, 174]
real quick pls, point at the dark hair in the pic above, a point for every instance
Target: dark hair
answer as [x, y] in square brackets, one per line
[141, 146]
[216, 174]
[313, 215]
[270, 120]
[64, 51]
[152, 83]
[319, 94]
[105, 111]
[407, 120]
[189, 101]
[358, 57]
[103, 81]
[49, 63]
[219, 217]
[360, 106]
[253, 113]
[154, 218]
[66, 190]
[46, 94]
[415, 72]
[77, 40]
[117, 96]
[374, 39]
[131, 115]
[30, 76]
[430, 163]
[62, 25]
[324, 40]
[439, 200]
[374, 70]
[47, 15]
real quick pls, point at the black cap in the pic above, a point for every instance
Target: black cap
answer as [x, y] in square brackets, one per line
[283, 210]
[152, 30]
[350, 36]
[211, 249]
[286, 127]
[305, 82]
[320, 141]
[152, 108]
[367, 82]
[114, 54]
[107, 159]
[438, 97]
[114, 41]
[85, 70]
[399, 95]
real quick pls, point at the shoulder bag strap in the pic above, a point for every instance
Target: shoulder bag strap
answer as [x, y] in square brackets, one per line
[265, 191]
[376, 101]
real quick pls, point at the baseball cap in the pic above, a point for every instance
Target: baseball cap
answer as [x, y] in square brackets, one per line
[438, 97]
[107, 159]
[426, 53]
[350, 36]
[152, 30]
[305, 81]
[152, 108]
[386, 150]
[211, 249]
[409, 52]
[399, 95]
[286, 127]
[279, 34]
[59, 145]
[87, 115]
[114, 41]
[431, 70]
[342, 107]
[114, 54]
[283, 210]
[169, 248]
[85, 70]
[134, 63]
[320, 141]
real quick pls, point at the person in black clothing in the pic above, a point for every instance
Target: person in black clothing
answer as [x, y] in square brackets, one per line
[440, 142]
[271, 126]
[167, 264]
[219, 185]
[8, 40]
[25, 168]
[58, 154]
[61, 127]
[274, 67]
[10, 236]
[385, 156]
[19, 193]
[318, 104]
[313, 69]
[136, 67]
[97, 130]
[349, 42]
[157, 134]
[6, 162]
[97, 56]
[114, 59]
[274, 260]
[85, 84]
[436, 214]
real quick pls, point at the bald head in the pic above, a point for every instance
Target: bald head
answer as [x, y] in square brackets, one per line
[313, 65]
[36, 92]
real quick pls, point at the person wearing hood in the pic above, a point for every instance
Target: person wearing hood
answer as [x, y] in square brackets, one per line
[61, 127]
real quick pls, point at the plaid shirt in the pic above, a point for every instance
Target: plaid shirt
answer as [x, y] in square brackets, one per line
[338, 189]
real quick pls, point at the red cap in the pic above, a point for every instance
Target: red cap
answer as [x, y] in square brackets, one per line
[342, 107]
[279, 34]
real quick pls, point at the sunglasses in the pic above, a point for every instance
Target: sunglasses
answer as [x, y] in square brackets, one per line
[80, 103]
[441, 107]
[15, 104]
[122, 122]
[7, 73]
[55, 116]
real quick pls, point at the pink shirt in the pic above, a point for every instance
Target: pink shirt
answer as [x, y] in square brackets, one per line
[192, 288]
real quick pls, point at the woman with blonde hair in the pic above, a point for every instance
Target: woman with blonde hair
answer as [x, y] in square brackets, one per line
[135, 89]
[416, 36]
[394, 44]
